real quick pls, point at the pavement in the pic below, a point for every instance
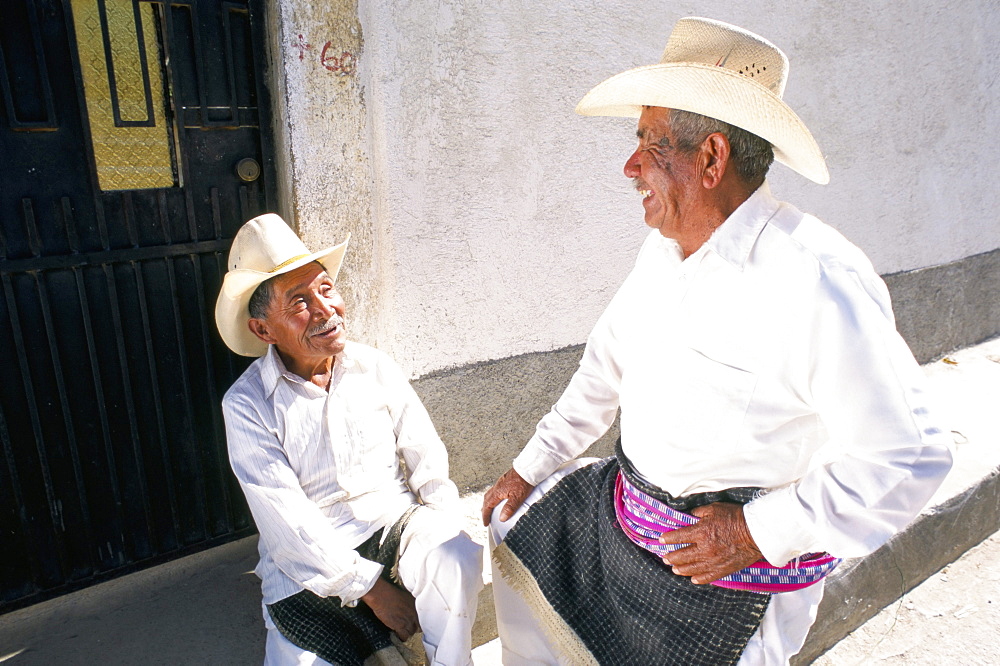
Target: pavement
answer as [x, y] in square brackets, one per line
[930, 596]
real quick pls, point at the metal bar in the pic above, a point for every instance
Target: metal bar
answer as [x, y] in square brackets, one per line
[34, 242]
[95, 368]
[128, 213]
[147, 88]
[186, 384]
[124, 255]
[43, 78]
[15, 485]
[192, 217]
[199, 71]
[102, 12]
[244, 203]
[220, 262]
[3, 244]
[69, 223]
[176, 87]
[102, 410]
[154, 386]
[216, 211]
[213, 394]
[36, 425]
[161, 207]
[50, 334]
[102, 222]
[50, 122]
[174, 110]
[234, 118]
[8, 97]
[129, 401]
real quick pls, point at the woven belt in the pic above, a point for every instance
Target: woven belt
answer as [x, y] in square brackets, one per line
[644, 518]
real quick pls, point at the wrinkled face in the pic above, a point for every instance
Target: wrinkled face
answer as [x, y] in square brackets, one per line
[305, 318]
[664, 175]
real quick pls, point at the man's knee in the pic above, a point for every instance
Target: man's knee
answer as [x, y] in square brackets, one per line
[498, 529]
[436, 540]
[460, 553]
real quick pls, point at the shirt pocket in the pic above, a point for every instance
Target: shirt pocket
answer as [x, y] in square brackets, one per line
[705, 401]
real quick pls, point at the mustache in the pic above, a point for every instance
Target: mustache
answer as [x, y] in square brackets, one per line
[328, 325]
[640, 184]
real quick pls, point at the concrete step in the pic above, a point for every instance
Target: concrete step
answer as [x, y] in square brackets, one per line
[205, 608]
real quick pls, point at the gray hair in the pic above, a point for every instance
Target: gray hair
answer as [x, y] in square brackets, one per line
[260, 299]
[751, 155]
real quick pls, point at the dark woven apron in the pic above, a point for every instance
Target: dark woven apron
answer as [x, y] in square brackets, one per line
[322, 625]
[625, 605]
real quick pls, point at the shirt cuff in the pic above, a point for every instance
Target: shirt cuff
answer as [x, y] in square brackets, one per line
[779, 526]
[354, 586]
[535, 464]
[439, 492]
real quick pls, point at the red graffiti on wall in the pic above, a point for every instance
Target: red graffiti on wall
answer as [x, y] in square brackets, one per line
[344, 64]
[302, 45]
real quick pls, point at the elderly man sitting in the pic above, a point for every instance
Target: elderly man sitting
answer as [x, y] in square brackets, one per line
[342, 469]
[770, 412]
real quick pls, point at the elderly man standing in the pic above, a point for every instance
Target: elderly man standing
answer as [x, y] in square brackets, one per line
[342, 469]
[772, 418]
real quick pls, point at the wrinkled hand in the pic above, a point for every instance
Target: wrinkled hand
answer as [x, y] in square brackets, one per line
[395, 607]
[510, 487]
[720, 543]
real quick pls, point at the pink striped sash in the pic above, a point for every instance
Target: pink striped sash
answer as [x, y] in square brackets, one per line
[644, 518]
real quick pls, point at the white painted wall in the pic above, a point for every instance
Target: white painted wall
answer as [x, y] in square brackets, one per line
[502, 222]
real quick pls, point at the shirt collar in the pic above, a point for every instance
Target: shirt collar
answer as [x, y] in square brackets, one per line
[735, 238]
[272, 368]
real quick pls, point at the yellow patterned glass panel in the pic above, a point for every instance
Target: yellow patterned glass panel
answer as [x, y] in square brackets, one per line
[132, 151]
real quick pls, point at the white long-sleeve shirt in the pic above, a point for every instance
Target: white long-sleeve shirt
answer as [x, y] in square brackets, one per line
[321, 469]
[767, 358]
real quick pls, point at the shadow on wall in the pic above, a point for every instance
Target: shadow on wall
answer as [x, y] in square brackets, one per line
[486, 413]
[944, 308]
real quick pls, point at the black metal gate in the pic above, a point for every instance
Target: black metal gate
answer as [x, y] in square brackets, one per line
[130, 152]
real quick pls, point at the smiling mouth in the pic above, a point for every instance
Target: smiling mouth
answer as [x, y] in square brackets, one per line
[640, 187]
[330, 331]
[330, 327]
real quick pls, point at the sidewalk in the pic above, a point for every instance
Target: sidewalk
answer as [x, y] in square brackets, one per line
[205, 608]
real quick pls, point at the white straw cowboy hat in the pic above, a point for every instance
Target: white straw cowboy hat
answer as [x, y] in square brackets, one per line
[723, 72]
[263, 248]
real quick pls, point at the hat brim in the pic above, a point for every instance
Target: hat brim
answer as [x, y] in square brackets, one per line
[717, 93]
[232, 308]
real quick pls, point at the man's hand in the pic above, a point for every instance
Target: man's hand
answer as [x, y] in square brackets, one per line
[720, 543]
[394, 606]
[510, 487]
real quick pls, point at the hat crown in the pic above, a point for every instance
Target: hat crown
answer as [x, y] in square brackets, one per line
[707, 42]
[265, 244]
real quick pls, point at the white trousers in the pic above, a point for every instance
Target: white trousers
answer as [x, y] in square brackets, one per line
[442, 567]
[779, 637]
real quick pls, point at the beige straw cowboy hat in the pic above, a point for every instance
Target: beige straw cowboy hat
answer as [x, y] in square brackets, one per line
[263, 248]
[723, 72]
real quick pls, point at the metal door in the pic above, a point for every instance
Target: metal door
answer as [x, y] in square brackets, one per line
[130, 152]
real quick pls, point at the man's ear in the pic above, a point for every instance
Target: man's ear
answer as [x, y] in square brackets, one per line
[259, 328]
[716, 152]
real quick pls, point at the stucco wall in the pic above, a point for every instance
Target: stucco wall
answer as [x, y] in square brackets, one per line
[491, 221]
[321, 129]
